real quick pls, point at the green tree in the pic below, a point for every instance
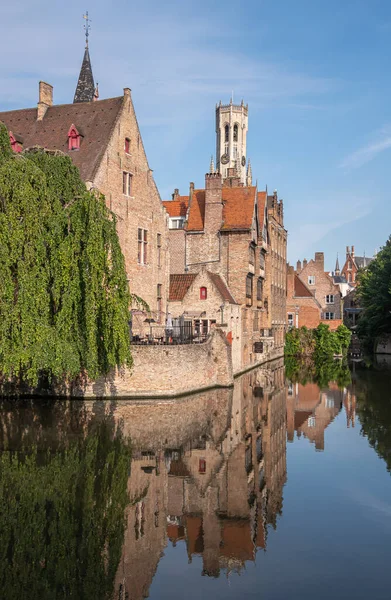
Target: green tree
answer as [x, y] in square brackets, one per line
[64, 298]
[374, 292]
[62, 515]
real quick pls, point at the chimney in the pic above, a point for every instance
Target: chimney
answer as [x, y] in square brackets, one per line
[298, 266]
[213, 202]
[127, 92]
[304, 263]
[352, 252]
[319, 258]
[347, 251]
[191, 190]
[175, 194]
[45, 99]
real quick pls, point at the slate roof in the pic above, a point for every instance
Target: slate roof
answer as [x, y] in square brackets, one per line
[177, 207]
[85, 88]
[95, 119]
[179, 285]
[301, 290]
[339, 279]
[362, 261]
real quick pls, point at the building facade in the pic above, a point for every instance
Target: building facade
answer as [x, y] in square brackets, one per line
[104, 141]
[352, 264]
[235, 231]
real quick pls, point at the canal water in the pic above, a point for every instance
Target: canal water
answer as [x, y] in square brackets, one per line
[276, 489]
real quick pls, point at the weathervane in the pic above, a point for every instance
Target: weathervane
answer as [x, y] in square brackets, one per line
[87, 26]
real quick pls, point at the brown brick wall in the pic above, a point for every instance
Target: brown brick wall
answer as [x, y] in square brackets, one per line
[323, 285]
[143, 209]
[168, 370]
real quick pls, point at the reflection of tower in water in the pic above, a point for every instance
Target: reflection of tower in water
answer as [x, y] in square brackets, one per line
[216, 489]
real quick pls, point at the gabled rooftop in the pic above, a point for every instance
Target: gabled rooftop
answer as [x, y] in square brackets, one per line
[95, 119]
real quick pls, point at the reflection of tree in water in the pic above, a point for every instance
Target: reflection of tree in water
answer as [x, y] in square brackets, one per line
[321, 372]
[62, 502]
[374, 411]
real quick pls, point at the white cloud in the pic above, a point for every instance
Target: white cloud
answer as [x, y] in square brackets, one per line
[367, 153]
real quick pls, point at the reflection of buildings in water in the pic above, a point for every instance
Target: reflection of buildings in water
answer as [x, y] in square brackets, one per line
[350, 403]
[215, 491]
[310, 410]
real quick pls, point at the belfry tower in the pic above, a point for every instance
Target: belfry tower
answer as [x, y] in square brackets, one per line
[231, 139]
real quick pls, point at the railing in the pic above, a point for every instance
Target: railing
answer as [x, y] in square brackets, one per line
[177, 334]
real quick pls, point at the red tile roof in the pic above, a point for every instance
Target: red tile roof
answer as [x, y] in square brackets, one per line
[179, 285]
[197, 211]
[222, 288]
[95, 119]
[238, 210]
[177, 207]
[261, 208]
[301, 290]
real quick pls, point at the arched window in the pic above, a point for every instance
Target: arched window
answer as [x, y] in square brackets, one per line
[203, 293]
[235, 132]
[226, 133]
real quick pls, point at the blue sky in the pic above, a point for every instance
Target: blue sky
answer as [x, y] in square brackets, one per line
[315, 75]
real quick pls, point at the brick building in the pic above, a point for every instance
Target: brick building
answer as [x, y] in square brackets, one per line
[234, 230]
[104, 141]
[312, 295]
[352, 264]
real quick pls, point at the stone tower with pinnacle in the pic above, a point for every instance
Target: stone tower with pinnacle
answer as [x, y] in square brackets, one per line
[231, 139]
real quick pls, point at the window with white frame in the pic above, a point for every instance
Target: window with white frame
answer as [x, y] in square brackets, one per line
[311, 421]
[290, 319]
[311, 279]
[176, 223]
[142, 245]
[329, 316]
[330, 299]
[127, 183]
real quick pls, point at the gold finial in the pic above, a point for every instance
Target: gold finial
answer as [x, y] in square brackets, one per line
[87, 27]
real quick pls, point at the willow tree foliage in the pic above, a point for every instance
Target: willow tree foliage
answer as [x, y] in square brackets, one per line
[374, 291]
[64, 298]
[62, 516]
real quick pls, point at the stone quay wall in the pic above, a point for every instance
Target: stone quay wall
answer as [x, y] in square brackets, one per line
[167, 371]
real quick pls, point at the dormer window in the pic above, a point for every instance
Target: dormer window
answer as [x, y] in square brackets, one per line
[16, 142]
[127, 145]
[74, 137]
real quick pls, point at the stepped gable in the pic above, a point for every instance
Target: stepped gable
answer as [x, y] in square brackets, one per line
[94, 120]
